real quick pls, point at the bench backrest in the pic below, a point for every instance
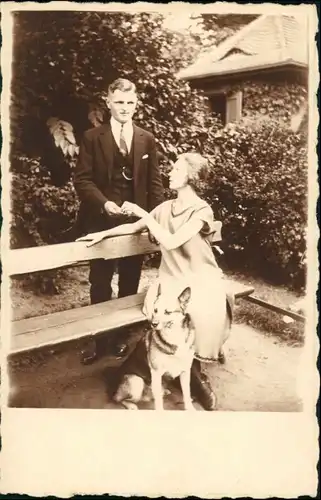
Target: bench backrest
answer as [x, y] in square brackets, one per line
[30, 260]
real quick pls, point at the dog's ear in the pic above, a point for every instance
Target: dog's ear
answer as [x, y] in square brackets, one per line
[184, 297]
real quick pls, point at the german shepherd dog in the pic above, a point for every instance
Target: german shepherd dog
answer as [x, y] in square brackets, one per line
[169, 347]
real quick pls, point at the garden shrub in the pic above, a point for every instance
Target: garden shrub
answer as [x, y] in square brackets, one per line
[258, 187]
[41, 212]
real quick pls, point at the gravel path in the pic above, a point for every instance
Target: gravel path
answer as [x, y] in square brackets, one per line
[260, 375]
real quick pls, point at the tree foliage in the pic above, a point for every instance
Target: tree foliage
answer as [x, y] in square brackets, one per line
[215, 29]
[63, 64]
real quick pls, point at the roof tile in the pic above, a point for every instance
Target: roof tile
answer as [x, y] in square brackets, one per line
[268, 40]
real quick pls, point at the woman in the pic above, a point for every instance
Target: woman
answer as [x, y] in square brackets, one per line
[184, 228]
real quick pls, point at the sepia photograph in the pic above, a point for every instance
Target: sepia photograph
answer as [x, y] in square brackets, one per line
[157, 255]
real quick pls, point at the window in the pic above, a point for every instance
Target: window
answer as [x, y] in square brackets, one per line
[227, 107]
[218, 106]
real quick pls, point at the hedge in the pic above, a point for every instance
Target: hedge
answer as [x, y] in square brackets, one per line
[258, 187]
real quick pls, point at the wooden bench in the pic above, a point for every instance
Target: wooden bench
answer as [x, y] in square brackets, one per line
[56, 328]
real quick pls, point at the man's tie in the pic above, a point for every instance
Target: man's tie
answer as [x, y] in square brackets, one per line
[122, 142]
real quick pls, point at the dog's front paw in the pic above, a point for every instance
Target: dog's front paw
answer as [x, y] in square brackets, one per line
[158, 406]
[129, 405]
[188, 406]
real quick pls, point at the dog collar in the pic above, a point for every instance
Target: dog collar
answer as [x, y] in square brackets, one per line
[163, 345]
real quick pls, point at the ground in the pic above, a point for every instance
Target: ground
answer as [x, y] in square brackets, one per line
[260, 373]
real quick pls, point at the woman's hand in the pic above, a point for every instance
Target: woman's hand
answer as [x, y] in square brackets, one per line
[129, 208]
[93, 238]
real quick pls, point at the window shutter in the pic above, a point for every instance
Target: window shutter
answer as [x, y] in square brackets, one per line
[298, 119]
[234, 107]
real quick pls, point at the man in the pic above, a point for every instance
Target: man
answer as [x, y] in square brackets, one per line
[117, 163]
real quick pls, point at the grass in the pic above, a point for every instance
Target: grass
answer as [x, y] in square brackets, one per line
[74, 292]
[264, 320]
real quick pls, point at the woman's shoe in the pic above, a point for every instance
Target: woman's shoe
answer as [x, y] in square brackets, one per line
[201, 388]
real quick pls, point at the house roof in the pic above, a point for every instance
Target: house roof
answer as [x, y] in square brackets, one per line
[268, 41]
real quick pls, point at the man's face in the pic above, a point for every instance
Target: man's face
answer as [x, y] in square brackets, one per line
[122, 105]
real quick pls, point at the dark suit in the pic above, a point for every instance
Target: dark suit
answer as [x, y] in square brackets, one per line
[94, 183]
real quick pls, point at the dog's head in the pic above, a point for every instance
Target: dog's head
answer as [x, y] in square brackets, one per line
[170, 312]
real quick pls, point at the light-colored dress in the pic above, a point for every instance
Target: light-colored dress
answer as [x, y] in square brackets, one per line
[193, 264]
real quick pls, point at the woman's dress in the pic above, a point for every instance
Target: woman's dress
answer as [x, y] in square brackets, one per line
[193, 264]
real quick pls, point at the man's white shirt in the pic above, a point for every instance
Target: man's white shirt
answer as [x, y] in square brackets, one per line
[128, 132]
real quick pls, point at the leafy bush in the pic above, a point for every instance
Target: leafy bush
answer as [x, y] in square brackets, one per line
[258, 187]
[41, 211]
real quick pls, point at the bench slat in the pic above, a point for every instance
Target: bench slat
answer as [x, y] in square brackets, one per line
[42, 258]
[275, 308]
[56, 319]
[74, 324]
[117, 313]
[238, 289]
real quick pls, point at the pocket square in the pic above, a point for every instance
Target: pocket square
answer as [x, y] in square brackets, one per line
[144, 157]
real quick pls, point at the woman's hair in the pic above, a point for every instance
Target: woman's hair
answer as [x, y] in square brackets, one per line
[197, 168]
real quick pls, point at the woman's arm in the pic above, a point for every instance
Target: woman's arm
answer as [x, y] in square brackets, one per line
[174, 240]
[168, 240]
[135, 227]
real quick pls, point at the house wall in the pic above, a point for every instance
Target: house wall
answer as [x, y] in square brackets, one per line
[263, 99]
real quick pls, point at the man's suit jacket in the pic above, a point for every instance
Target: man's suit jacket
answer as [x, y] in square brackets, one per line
[93, 175]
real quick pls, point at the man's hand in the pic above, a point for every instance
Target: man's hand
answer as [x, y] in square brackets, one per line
[128, 208]
[112, 209]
